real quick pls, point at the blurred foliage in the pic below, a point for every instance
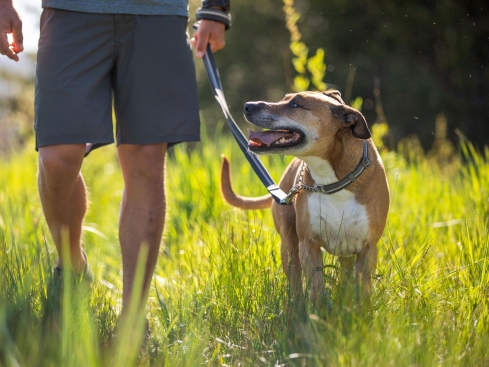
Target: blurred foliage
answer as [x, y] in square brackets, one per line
[317, 68]
[311, 70]
[432, 57]
[16, 111]
[429, 58]
[378, 133]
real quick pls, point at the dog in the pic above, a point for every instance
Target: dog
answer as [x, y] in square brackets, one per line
[328, 140]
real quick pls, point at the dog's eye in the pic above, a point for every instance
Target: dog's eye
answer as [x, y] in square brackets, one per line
[292, 104]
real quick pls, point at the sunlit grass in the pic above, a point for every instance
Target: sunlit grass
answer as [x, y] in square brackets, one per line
[219, 296]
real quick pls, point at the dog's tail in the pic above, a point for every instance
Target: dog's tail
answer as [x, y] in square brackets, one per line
[261, 202]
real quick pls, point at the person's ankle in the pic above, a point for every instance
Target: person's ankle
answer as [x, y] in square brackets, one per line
[78, 263]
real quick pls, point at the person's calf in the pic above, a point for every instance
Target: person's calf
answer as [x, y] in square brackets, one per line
[63, 197]
[142, 211]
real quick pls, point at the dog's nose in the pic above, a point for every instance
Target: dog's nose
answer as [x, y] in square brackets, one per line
[250, 107]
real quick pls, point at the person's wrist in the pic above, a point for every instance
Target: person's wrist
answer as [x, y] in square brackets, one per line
[223, 5]
[214, 14]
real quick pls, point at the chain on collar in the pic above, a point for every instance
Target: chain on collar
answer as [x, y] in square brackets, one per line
[331, 188]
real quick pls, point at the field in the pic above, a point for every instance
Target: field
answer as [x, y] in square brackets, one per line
[219, 297]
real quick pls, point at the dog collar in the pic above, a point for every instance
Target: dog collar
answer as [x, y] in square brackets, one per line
[331, 188]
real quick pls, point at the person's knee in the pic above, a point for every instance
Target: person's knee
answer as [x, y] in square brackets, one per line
[60, 162]
[143, 162]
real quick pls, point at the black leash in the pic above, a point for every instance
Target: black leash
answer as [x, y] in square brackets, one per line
[255, 162]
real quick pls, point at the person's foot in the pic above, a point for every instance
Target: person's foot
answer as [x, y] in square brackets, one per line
[54, 291]
[86, 275]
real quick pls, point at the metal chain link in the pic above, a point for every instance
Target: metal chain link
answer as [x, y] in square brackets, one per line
[299, 185]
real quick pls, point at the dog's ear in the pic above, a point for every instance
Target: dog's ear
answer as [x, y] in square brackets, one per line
[353, 119]
[334, 94]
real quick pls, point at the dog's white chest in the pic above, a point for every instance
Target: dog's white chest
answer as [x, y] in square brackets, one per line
[339, 221]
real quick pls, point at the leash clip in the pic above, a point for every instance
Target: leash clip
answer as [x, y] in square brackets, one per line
[290, 196]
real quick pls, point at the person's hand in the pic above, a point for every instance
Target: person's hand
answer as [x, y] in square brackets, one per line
[10, 23]
[209, 32]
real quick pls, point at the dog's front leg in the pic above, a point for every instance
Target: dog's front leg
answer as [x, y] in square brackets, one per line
[284, 218]
[365, 266]
[292, 266]
[311, 260]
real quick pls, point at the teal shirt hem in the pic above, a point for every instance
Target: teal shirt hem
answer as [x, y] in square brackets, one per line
[179, 8]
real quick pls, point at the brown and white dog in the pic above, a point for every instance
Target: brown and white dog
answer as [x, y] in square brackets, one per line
[328, 136]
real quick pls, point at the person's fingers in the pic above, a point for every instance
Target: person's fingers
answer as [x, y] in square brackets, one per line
[216, 42]
[10, 23]
[3, 43]
[194, 41]
[5, 48]
[201, 41]
[18, 44]
[209, 32]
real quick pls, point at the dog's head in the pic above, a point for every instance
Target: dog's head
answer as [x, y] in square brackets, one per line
[303, 123]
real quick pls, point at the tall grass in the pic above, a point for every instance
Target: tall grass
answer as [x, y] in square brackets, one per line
[219, 296]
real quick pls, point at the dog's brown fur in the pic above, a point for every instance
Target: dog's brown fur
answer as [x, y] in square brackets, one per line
[334, 135]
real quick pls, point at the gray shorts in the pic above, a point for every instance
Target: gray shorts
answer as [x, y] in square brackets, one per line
[141, 62]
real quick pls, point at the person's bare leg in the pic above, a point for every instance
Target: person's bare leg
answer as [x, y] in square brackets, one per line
[142, 211]
[64, 199]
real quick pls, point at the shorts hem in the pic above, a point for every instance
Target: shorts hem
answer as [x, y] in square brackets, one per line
[97, 142]
[120, 9]
[171, 140]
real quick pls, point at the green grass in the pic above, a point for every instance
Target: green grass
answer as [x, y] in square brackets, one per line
[219, 296]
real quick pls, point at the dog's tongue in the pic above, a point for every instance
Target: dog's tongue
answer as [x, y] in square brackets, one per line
[267, 137]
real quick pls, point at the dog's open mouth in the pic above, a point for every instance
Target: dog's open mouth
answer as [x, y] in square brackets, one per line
[273, 138]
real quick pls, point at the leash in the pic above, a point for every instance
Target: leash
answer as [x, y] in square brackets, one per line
[255, 162]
